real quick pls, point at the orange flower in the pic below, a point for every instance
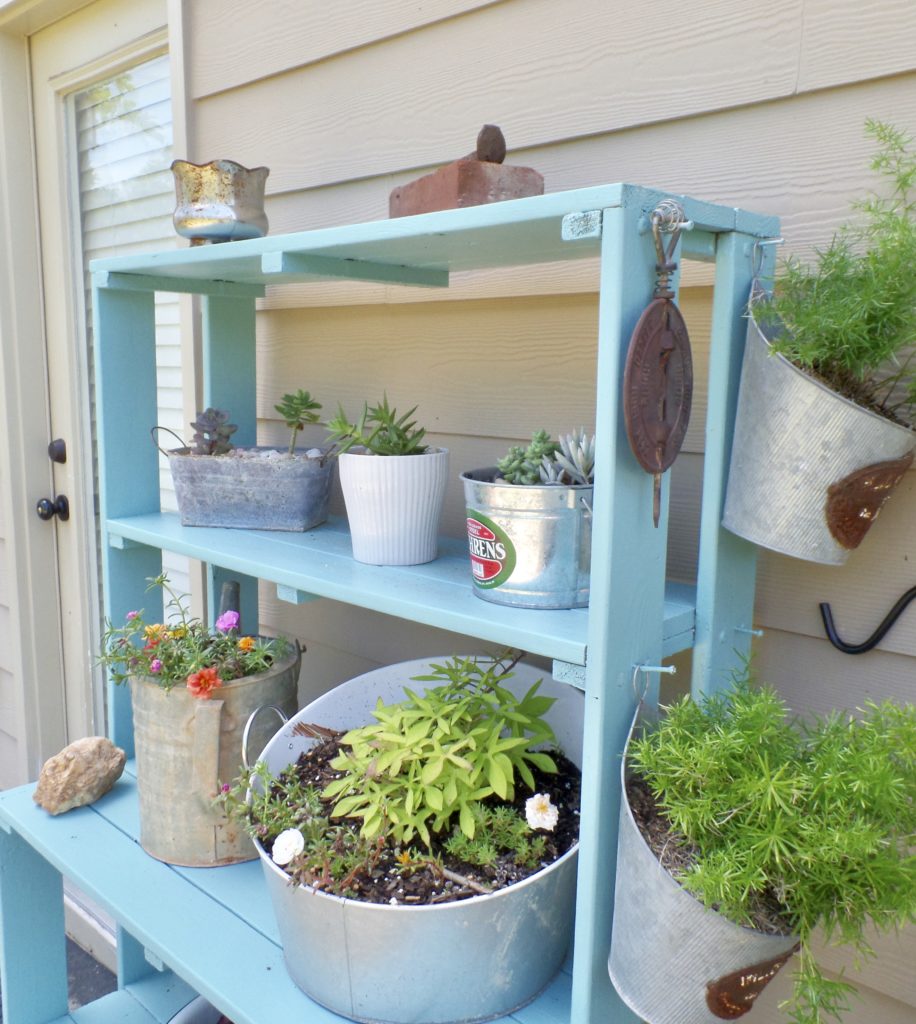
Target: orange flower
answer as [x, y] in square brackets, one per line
[155, 633]
[246, 643]
[202, 684]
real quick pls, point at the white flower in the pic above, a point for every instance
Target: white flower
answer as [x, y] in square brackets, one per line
[288, 844]
[540, 812]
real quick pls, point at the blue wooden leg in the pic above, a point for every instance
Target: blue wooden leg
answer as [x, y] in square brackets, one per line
[33, 949]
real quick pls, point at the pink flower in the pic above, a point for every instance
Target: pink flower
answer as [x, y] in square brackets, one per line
[202, 684]
[227, 621]
[155, 666]
[132, 615]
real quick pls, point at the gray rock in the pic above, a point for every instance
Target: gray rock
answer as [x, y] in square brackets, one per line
[79, 774]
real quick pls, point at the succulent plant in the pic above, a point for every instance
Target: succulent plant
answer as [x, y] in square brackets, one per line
[574, 463]
[544, 461]
[523, 465]
[212, 431]
[297, 410]
[379, 430]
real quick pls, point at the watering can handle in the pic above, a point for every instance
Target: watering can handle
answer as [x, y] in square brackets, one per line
[254, 714]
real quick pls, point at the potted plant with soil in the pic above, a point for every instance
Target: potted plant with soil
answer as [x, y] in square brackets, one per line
[192, 691]
[420, 850]
[743, 835]
[827, 398]
[257, 488]
[529, 521]
[393, 485]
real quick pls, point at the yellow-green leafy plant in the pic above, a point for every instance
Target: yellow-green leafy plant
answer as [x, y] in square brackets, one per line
[380, 430]
[815, 819]
[429, 760]
[297, 409]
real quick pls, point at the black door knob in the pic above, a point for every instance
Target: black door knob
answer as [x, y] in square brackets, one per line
[48, 509]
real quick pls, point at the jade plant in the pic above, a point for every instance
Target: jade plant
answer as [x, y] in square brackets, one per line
[849, 317]
[811, 822]
[297, 410]
[569, 461]
[379, 430]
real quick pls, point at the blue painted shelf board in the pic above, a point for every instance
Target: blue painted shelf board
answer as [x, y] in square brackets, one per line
[514, 233]
[439, 593]
[212, 926]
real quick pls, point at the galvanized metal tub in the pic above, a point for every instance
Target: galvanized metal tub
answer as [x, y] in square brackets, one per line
[530, 546]
[256, 489]
[672, 960]
[186, 747]
[469, 961]
[394, 503]
[810, 470]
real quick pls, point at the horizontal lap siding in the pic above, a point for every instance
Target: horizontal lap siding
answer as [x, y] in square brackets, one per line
[762, 109]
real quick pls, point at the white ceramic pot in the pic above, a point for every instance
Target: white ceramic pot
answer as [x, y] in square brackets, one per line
[393, 505]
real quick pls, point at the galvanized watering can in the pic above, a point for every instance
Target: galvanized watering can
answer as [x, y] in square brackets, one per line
[185, 748]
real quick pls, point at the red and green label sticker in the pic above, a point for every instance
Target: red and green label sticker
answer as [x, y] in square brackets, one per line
[492, 552]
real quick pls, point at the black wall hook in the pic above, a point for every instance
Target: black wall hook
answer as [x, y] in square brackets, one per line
[878, 634]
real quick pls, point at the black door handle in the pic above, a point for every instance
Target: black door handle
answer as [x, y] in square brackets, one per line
[48, 508]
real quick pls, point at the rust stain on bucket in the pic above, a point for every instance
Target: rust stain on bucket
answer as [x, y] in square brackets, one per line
[854, 502]
[733, 995]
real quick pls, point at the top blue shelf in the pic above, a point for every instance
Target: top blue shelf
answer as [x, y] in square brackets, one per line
[422, 249]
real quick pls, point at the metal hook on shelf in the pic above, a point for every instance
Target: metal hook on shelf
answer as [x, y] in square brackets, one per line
[668, 670]
[757, 253]
[879, 633]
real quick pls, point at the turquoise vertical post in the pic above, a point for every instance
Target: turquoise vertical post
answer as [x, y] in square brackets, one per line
[726, 571]
[229, 376]
[126, 409]
[33, 953]
[626, 608]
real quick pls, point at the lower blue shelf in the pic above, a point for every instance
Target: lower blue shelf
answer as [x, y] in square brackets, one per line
[210, 930]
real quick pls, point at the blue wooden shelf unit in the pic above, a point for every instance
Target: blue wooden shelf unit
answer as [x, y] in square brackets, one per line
[211, 930]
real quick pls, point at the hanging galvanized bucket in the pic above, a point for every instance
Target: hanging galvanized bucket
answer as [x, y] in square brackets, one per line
[468, 961]
[186, 747]
[810, 470]
[530, 546]
[673, 961]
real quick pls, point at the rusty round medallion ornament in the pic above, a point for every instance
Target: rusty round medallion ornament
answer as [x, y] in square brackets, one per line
[658, 387]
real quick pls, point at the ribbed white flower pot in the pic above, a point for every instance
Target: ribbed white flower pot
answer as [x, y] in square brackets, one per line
[393, 505]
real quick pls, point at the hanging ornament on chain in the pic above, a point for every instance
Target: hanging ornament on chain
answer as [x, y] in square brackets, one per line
[658, 376]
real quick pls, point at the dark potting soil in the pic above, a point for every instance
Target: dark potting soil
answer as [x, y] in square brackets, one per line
[677, 855]
[435, 876]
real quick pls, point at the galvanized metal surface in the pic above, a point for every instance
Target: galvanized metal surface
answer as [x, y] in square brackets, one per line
[219, 202]
[473, 960]
[186, 747]
[265, 493]
[671, 958]
[394, 503]
[795, 440]
[530, 546]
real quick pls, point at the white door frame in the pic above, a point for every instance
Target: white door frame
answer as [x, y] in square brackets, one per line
[25, 470]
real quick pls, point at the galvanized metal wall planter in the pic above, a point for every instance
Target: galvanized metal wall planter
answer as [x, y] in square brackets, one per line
[394, 503]
[186, 747]
[810, 470]
[530, 546]
[672, 960]
[468, 961]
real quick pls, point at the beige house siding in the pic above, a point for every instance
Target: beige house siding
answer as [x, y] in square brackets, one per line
[760, 108]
